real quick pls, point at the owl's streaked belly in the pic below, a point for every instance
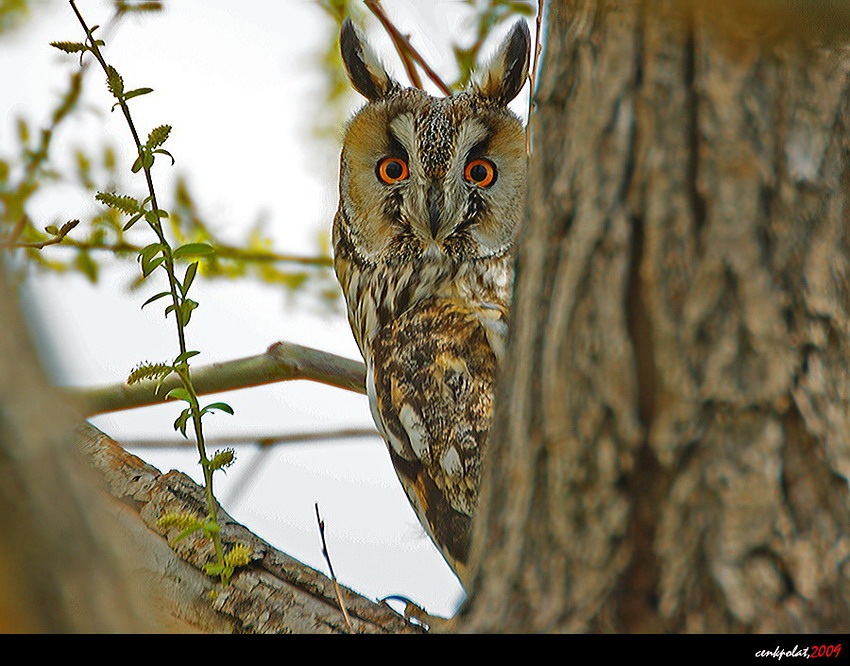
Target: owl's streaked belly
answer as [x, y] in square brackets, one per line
[377, 294]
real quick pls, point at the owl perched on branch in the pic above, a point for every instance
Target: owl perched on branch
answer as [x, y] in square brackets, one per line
[431, 198]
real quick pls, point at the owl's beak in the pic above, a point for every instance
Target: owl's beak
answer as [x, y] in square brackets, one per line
[435, 209]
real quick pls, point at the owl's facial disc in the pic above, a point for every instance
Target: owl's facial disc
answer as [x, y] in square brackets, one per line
[444, 160]
[428, 176]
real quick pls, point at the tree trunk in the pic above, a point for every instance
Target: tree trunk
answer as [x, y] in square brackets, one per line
[61, 569]
[671, 447]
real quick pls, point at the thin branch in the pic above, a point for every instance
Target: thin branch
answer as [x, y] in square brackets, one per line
[405, 48]
[222, 251]
[331, 569]
[183, 371]
[263, 441]
[533, 75]
[57, 237]
[282, 361]
[396, 36]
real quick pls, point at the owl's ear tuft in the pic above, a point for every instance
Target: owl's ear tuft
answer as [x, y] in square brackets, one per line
[366, 72]
[505, 75]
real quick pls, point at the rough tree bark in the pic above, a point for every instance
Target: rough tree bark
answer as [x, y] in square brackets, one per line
[671, 448]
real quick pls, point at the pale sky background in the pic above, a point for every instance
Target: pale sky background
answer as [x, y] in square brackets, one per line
[239, 83]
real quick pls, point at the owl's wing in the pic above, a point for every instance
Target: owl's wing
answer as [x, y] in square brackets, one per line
[431, 389]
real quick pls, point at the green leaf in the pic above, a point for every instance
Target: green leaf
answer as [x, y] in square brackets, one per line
[187, 532]
[161, 294]
[193, 250]
[163, 151]
[150, 265]
[133, 220]
[185, 311]
[222, 406]
[179, 394]
[185, 356]
[214, 568]
[137, 92]
[210, 527]
[191, 271]
[180, 425]
[150, 251]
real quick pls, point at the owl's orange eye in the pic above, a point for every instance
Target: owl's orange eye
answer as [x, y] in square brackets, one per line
[480, 172]
[392, 170]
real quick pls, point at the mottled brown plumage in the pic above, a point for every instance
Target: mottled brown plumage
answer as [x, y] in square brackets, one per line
[431, 192]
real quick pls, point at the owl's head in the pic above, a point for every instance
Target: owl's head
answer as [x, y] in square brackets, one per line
[422, 176]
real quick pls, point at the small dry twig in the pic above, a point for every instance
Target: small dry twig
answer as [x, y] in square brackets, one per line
[262, 441]
[407, 53]
[331, 569]
[533, 75]
[58, 236]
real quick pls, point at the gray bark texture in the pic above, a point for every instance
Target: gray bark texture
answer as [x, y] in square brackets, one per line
[671, 446]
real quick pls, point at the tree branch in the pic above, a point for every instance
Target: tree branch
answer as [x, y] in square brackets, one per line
[406, 51]
[261, 441]
[57, 237]
[282, 361]
[222, 250]
[274, 593]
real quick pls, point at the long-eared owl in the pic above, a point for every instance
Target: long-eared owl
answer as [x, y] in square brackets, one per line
[431, 197]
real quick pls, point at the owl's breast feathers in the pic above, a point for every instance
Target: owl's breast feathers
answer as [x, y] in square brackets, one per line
[431, 392]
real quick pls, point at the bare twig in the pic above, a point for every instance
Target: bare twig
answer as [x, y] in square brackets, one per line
[282, 361]
[248, 473]
[533, 75]
[263, 441]
[406, 51]
[57, 237]
[396, 36]
[331, 569]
